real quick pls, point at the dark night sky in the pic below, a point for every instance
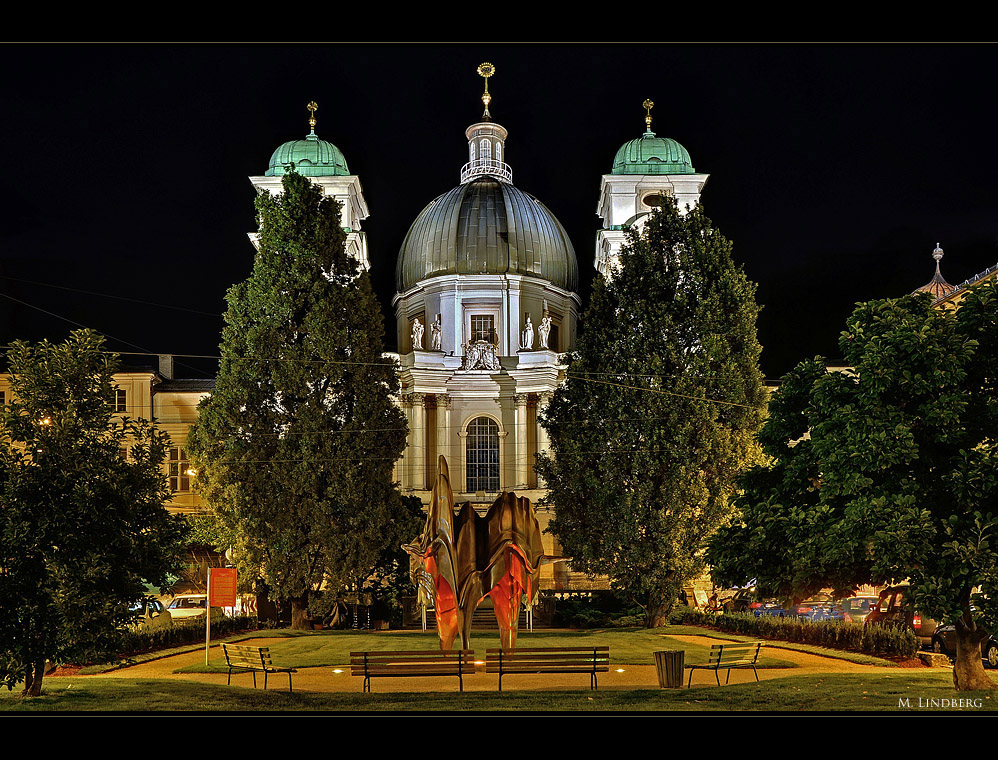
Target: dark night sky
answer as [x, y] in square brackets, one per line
[835, 168]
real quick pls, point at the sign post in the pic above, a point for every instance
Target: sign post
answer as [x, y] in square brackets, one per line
[221, 593]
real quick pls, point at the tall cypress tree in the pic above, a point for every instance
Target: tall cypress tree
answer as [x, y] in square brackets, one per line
[295, 448]
[658, 414]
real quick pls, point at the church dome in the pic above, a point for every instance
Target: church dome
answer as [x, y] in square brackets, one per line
[312, 157]
[650, 154]
[486, 226]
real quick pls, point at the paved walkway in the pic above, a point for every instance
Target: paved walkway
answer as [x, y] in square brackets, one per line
[622, 677]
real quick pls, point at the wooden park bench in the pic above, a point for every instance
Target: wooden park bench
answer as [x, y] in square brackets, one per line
[252, 659]
[729, 656]
[428, 662]
[591, 660]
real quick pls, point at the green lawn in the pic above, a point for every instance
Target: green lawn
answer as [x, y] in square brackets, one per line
[898, 690]
[628, 646]
[792, 694]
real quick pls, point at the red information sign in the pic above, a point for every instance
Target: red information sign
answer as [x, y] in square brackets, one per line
[223, 587]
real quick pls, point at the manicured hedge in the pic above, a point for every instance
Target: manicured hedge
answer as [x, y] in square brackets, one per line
[875, 640]
[182, 632]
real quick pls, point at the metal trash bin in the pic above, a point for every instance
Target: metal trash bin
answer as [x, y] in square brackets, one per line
[669, 665]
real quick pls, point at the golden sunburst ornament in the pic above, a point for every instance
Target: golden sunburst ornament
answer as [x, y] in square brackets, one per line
[485, 70]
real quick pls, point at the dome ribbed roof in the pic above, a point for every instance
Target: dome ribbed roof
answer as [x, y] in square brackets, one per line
[312, 157]
[486, 227]
[650, 154]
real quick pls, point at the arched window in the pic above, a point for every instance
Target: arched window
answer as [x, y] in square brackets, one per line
[498, 151]
[472, 146]
[482, 455]
[486, 150]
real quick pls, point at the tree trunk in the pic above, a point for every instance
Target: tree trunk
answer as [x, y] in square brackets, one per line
[968, 671]
[657, 613]
[33, 679]
[300, 620]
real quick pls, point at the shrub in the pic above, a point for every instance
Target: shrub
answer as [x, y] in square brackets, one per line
[874, 640]
[596, 609]
[182, 632]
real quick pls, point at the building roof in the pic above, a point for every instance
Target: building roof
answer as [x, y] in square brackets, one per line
[486, 227]
[186, 386]
[650, 154]
[311, 157]
[937, 286]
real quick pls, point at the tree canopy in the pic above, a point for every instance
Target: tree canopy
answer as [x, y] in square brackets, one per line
[662, 400]
[884, 472]
[83, 526]
[295, 447]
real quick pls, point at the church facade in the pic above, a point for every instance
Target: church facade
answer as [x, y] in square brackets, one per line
[486, 306]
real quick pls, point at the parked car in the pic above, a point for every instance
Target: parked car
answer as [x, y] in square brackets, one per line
[856, 608]
[944, 642]
[821, 606]
[893, 607]
[187, 606]
[742, 600]
[765, 607]
[150, 614]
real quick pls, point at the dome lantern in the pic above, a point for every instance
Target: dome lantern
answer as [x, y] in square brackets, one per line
[486, 142]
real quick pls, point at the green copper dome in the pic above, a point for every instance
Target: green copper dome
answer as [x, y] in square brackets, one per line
[487, 227]
[312, 157]
[650, 154]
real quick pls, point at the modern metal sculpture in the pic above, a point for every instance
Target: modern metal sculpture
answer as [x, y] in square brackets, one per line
[459, 559]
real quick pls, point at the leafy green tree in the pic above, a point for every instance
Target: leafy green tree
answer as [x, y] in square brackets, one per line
[82, 528]
[658, 414]
[296, 445]
[885, 472]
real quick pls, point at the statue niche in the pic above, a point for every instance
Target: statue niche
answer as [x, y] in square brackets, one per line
[461, 558]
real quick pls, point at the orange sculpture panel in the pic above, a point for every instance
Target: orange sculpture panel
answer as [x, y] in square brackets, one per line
[460, 559]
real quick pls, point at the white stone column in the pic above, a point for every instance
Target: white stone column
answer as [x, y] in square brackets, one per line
[444, 432]
[543, 442]
[520, 436]
[416, 465]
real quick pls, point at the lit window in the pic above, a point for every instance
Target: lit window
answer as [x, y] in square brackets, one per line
[472, 144]
[180, 479]
[486, 150]
[120, 400]
[483, 455]
[483, 327]
[498, 151]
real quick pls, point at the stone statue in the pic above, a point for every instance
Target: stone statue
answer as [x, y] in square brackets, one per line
[527, 343]
[480, 354]
[417, 335]
[435, 335]
[544, 331]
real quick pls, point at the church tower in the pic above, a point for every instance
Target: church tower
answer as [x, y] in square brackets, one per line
[324, 164]
[645, 170]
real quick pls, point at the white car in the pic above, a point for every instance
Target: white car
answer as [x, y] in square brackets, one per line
[187, 606]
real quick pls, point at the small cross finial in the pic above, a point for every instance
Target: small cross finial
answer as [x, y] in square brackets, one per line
[485, 70]
[312, 107]
[648, 105]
